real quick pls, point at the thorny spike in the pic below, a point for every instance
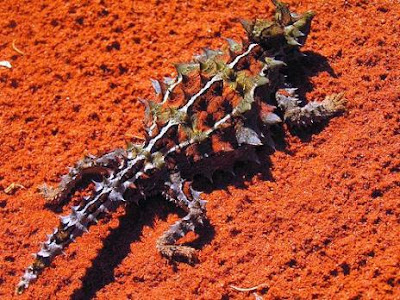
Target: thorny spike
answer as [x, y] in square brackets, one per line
[292, 41]
[273, 63]
[247, 25]
[231, 171]
[270, 142]
[168, 80]
[234, 46]
[282, 15]
[246, 135]
[211, 54]
[209, 176]
[186, 69]
[98, 186]
[294, 31]
[156, 86]
[195, 194]
[254, 158]
[291, 91]
[271, 119]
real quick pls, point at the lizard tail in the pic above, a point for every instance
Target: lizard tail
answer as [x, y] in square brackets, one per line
[70, 227]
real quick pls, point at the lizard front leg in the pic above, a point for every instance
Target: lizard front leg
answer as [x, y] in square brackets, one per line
[196, 215]
[88, 167]
[313, 112]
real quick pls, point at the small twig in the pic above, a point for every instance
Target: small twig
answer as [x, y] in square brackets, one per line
[248, 289]
[13, 187]
[16, 49]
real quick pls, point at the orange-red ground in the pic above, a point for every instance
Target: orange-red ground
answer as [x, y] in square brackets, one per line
[320, 221]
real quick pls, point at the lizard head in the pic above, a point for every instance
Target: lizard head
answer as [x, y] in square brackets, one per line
[285, 32]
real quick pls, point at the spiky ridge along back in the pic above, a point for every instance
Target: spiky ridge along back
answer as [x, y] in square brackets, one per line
[213, 113]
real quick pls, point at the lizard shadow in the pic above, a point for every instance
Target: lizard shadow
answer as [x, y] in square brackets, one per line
[115, 248]
[117, 244]
[301, 71]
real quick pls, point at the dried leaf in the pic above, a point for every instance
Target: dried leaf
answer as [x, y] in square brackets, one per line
[6, 64]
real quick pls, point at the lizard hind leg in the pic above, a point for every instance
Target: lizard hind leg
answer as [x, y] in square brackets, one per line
[313, 112]
[196, 215]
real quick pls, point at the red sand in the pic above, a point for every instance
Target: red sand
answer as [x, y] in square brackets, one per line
[324, 225]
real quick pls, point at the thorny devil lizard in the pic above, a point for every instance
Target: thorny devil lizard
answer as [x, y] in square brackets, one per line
[214, 113]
